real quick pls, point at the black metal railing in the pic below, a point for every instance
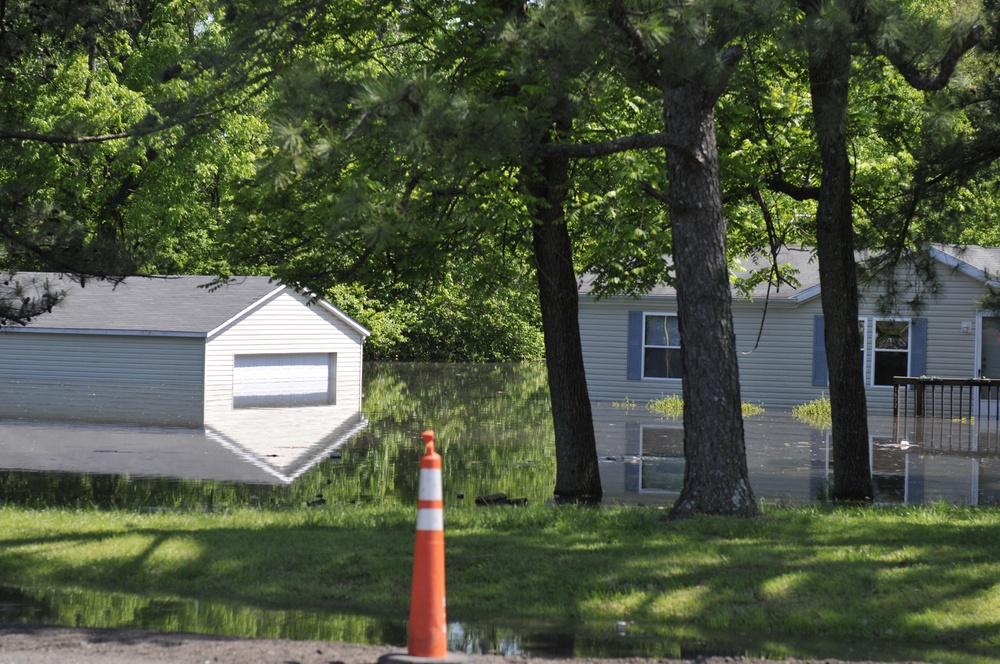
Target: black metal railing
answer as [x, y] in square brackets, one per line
[961, 414]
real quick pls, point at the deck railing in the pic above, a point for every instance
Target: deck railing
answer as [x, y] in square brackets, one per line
[951, 398]
[948, 413]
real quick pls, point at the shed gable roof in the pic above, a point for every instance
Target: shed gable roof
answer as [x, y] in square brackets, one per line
[169, 306]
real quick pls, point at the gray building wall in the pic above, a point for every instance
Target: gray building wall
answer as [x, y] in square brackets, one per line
[101, 378]
[777, 372]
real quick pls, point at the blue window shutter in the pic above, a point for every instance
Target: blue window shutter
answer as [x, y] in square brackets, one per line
[821, 376]
[634, 368]
[918, 347]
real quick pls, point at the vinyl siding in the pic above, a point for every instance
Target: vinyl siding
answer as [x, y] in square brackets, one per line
[283, 324]
[777, 370]
[766, 374]
[951, 353]
[101, 378]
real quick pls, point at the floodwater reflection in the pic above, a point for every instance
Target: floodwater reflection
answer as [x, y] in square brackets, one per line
[495, 431]
[86, 608]
[791, 462]
[495, 435]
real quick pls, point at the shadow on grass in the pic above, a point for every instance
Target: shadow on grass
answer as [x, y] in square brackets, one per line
[928, 582]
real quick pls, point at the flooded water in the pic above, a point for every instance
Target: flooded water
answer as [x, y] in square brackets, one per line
[495, 435]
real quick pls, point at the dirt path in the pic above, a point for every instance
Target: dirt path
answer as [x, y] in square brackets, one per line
[29, 644]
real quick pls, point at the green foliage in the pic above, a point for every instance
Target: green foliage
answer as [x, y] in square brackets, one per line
[448, 320]
[626, 404]
[816, 413]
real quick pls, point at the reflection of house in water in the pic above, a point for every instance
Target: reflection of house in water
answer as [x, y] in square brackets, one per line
[790, 461]
[285, 442]
[258, 446]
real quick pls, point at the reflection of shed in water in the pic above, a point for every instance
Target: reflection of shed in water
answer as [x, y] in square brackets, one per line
[163, 351]
[285, 442]
[273, 446]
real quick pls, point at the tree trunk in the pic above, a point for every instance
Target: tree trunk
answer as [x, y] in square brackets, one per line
[829, 78]
[716, 480]
[577, 474]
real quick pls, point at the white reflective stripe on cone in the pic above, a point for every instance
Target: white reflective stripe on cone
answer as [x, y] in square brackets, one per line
[430, 519]
[430, 484]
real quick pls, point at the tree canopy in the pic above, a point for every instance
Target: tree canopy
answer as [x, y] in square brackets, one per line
[427, 166]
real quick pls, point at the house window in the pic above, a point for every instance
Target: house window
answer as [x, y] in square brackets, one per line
[284, 379]
[891, 351]
[661, 458]
[661, 351]
[889, 347]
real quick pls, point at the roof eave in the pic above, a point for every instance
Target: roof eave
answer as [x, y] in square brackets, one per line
[257, 304]
[807, 294]
[104, 332]
[350, 322]
[958, 264]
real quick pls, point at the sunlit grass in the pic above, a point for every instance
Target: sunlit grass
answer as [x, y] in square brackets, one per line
[925, 575]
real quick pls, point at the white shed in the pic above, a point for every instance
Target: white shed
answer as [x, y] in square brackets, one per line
[169, 350]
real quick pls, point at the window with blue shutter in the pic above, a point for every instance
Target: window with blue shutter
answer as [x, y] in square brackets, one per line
[897, 348]
[654, 346]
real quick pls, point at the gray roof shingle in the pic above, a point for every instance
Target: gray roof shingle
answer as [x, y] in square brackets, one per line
[171, 305]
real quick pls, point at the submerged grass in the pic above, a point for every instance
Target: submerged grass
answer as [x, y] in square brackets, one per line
[816, 413]
[672, 407]
[926, 575]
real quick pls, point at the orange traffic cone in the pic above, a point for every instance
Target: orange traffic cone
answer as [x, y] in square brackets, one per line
[428, 630]
[428, 634]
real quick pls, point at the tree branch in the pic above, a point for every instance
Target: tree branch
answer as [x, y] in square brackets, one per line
[793, 191]
[944, 67]
[655, 193]
[643, 61]
[54, 139]
[605, 148]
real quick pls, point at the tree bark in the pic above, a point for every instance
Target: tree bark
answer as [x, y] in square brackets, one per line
[577, 474]
[829, 78]
[716, 480]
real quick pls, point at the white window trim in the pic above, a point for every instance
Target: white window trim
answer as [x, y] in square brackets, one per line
[645, 315]
[867, 332]
[870, 373]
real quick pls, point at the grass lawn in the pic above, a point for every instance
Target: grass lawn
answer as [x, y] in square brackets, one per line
[922, 576]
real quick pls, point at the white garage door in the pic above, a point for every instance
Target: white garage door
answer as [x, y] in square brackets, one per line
[294, 379]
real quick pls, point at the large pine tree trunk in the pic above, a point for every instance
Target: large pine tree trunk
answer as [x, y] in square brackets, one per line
[716, 480]
[577, 474]
[829, 76]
